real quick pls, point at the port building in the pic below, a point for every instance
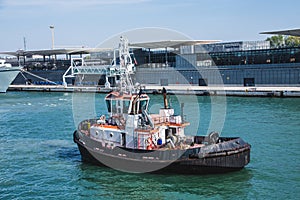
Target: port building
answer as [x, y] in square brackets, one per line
[199, 63]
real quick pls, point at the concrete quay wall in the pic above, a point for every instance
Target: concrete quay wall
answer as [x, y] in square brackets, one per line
[175, 89]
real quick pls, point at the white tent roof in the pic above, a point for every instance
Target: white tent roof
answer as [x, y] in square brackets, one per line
[170, 43]
[292, 32]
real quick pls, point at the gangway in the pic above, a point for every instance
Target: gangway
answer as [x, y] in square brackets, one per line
[79, 66]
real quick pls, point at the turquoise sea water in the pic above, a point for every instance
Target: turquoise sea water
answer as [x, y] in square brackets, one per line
[38, 159]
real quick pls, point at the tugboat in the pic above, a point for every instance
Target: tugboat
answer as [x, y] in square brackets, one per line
[130, 139]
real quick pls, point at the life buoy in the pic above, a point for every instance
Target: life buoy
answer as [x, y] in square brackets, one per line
[149, 143]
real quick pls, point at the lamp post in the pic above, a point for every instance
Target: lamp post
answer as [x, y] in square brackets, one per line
[52, 31]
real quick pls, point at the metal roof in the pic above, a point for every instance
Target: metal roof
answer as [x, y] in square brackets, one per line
[292, 32]
[170, 43]
[48, 52]
[151, 45]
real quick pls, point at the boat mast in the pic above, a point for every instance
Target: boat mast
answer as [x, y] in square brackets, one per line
[125, 67]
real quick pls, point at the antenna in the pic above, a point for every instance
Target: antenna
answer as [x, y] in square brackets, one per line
[24, 41]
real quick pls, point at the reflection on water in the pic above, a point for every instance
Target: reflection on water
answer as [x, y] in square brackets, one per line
[118, 185]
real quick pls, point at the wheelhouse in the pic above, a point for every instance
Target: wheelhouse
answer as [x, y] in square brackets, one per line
[118, 103]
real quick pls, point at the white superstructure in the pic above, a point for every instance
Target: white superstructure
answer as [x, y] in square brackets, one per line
[7, 74]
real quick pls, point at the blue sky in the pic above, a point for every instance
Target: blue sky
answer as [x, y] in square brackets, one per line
[88, 23]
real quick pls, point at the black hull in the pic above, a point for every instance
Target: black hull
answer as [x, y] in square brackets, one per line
[212, 164]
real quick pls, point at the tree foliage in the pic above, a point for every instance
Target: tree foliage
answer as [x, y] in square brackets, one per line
[278, 41]
[292, 41]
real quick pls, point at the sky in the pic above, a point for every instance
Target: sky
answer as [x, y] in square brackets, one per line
[88, 23]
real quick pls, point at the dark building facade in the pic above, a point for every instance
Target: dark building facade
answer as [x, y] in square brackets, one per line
[244, 63]
[236, 64]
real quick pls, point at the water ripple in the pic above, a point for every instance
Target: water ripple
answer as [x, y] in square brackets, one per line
[40, 161]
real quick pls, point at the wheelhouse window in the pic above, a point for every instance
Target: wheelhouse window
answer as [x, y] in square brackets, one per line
[108, 105]
[143, 105]
[138, 105]
[126, 105]
[111, 106]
